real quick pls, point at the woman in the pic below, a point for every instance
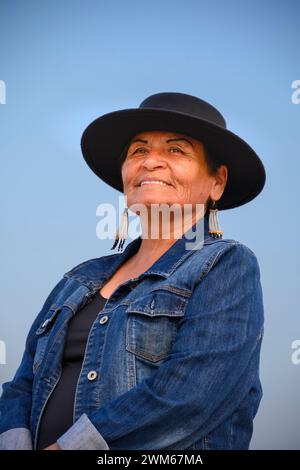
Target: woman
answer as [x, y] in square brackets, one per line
[156, 347]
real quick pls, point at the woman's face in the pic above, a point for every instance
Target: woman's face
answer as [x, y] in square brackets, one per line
[174, 159]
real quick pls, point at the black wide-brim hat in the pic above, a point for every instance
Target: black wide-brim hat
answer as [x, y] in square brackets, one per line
[104, 140]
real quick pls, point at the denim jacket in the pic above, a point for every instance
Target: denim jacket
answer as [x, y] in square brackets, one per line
[171, 362]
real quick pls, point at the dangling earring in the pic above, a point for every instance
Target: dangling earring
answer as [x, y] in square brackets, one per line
[214, 226]
[122, 232]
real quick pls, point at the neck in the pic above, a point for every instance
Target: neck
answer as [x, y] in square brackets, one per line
[158, 237]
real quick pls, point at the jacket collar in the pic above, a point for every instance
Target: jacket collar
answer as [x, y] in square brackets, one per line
[181, 249]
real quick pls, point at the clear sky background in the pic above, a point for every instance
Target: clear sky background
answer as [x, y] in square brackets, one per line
[67, 62]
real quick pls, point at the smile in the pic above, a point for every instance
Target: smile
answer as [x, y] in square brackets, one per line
[154, 182]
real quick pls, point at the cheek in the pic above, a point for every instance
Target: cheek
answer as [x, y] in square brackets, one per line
[193, 185]
[124, 170]
[127, 173]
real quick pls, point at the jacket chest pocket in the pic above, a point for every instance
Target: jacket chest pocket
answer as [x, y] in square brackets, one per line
[152, 324]
[42, 334]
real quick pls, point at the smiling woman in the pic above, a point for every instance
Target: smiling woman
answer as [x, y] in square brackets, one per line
[156, 347]
[160, 160]
[163, 167]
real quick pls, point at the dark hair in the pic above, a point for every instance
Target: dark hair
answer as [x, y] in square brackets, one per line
[211, 162]
[123, 154]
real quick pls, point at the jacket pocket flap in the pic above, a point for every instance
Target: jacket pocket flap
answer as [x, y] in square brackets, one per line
[159, 302]
[48, 321]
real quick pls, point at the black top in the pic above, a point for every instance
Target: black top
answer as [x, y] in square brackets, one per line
[57, 416]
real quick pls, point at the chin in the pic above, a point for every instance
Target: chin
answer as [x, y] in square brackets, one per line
[148, 201]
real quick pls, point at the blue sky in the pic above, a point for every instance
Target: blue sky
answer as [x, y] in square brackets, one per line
[67, 62]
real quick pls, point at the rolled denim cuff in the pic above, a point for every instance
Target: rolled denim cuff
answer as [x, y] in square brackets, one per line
[82, 436]
[16, 439]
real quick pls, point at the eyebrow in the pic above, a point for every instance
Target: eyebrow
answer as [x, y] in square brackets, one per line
[180, 138]
[173, 139]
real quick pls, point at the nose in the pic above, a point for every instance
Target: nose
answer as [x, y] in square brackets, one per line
[154, 159]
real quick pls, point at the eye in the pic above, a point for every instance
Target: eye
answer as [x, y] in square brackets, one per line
[139, 149]
[176, 148]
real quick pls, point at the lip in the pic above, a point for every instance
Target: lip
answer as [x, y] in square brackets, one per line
[152, 179]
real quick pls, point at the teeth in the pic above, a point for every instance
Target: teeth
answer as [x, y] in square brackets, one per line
[153, 182]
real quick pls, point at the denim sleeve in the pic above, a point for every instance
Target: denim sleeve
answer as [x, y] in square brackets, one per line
[15, 402]
[210, 368]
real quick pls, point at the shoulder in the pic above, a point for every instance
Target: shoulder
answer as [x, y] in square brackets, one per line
[91, 266]
[236, 248]
[233, 255]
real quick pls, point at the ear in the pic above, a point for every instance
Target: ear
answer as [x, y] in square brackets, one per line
[220, 180]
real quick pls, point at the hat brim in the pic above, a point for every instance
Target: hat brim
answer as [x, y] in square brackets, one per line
[104, 140]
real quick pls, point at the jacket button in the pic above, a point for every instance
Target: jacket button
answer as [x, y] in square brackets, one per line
[92, 375]
[103, 319]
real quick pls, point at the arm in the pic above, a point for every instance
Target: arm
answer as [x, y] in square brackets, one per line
[15, 402]
[205, 376]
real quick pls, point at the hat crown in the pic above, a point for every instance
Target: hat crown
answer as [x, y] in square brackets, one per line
[187, 104]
